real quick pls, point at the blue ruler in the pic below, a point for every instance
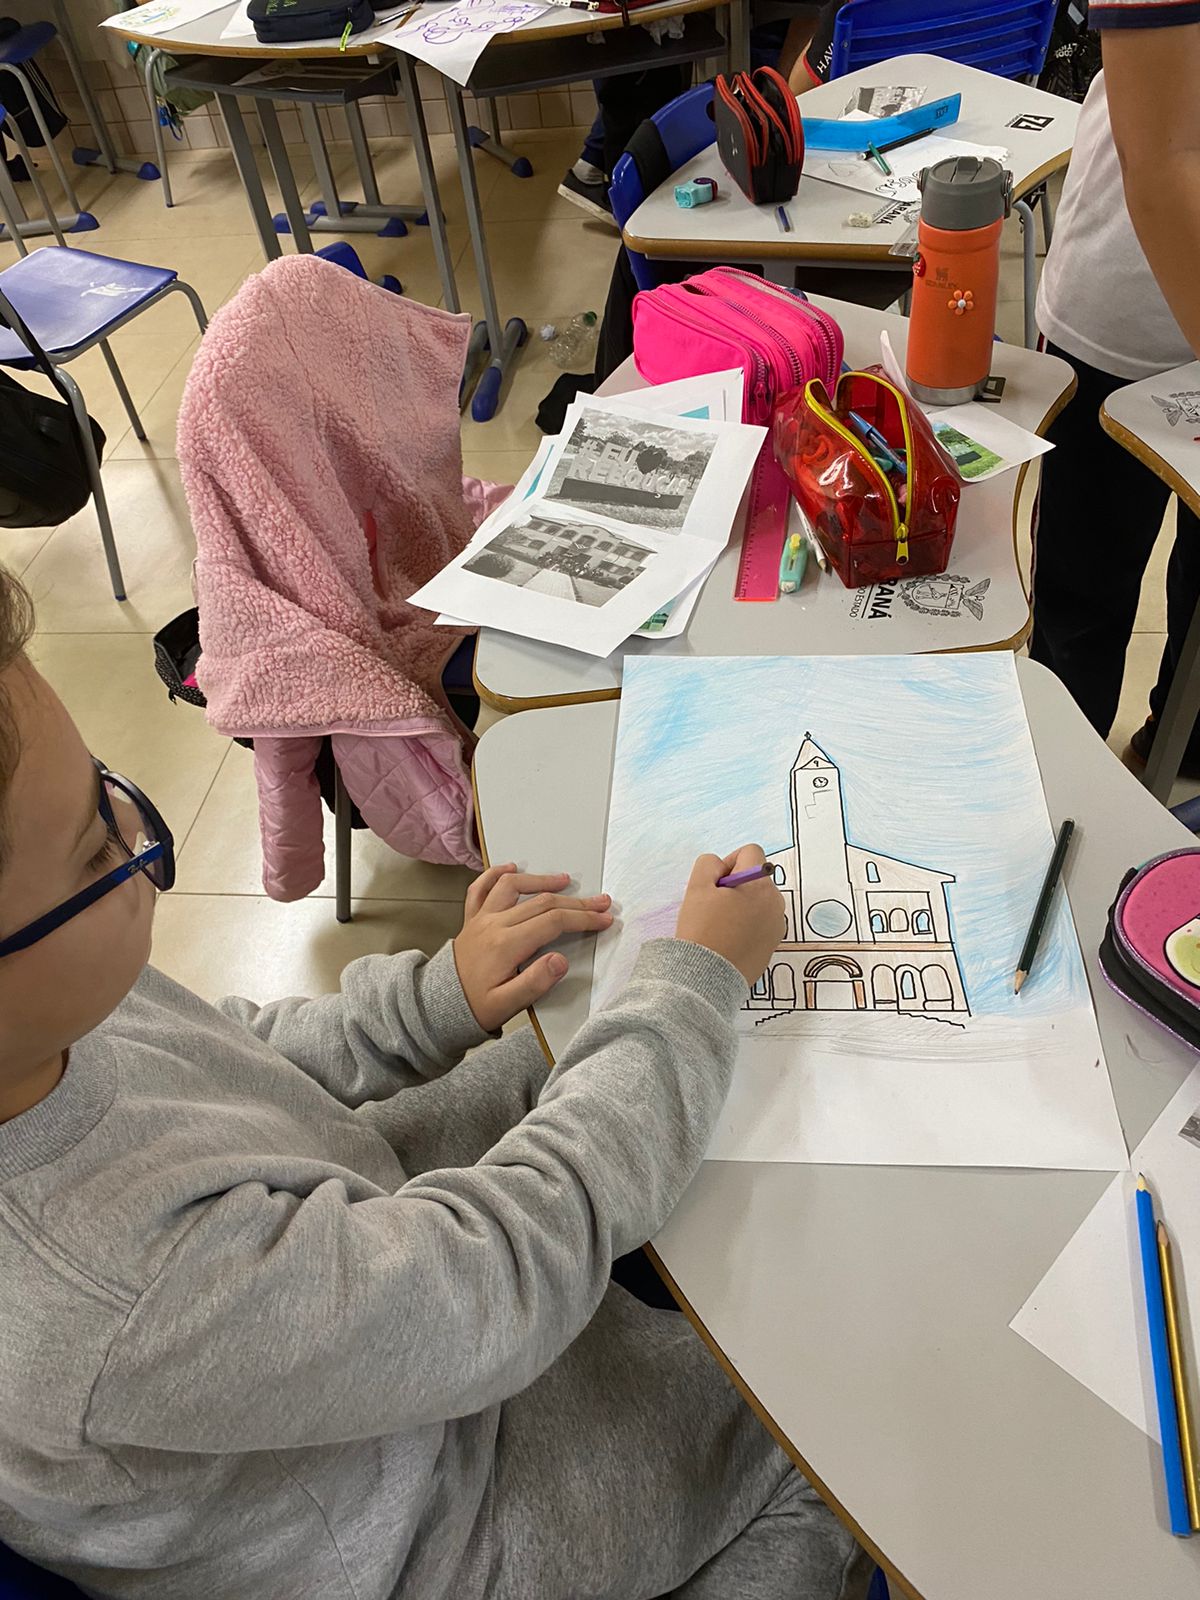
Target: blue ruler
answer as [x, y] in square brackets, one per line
[834, 133]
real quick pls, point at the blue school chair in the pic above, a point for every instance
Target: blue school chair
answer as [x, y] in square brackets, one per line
[684, 129]
[68, 302]
[1006, 37]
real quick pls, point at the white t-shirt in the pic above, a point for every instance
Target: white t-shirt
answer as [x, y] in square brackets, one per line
[1098, 299]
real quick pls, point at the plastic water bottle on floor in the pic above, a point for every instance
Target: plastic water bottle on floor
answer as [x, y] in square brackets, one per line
[573, 346]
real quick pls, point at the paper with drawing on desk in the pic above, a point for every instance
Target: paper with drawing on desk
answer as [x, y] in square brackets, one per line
[712, 395]
[1088, 1314]
[631, 509]
[900, 804]
[161, 16]
[981, 442]
[452, 37]
[851, 171]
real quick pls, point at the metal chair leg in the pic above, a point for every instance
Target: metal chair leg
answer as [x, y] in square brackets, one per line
[68, 188]
[1029, 246]
[342, 840]
[83, 424]
[12, 128]
[118, 379]
[362, 154]
[156, 127]
[1047, 215]
[194, 301]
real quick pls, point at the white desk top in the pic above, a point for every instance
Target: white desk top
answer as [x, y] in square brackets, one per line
[733, 229]
[867, 1308]
[1165, 439]
[204, 35]
[825, 618]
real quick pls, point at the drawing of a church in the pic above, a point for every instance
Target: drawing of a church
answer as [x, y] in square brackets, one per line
[865, 932]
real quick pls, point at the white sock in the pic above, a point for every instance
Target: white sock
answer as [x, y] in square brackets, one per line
[587, 173]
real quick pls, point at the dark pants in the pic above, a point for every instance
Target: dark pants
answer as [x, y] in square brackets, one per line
[1099, 512]
[625, 102]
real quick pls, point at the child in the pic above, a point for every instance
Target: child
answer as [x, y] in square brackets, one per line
[299, 1305]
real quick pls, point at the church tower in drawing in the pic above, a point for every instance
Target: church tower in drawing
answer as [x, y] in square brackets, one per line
[826, 900]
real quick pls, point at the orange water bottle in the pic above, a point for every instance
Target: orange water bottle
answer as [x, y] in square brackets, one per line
[964, 201]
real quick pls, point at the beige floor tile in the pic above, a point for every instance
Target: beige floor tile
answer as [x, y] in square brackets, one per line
[159, 416]
[248, 945]
[398, 178]
[545, 270]
[536, 199]
[222, 853]
[69, 579]
[1152, 608]
[209, 199]
[1141, 671]
[409, 258]
[496, 466]
[108, 683]
[18, 547]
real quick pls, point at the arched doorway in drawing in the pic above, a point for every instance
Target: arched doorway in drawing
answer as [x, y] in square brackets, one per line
[834, 983]
[883, 989]
[783, 987]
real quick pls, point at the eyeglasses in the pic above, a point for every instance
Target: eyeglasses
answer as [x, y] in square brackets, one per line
[135, 828]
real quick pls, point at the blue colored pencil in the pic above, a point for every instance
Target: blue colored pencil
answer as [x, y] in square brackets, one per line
[1164, 1385]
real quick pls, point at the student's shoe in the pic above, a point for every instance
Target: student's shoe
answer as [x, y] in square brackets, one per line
[1137, 752]
[586, 186]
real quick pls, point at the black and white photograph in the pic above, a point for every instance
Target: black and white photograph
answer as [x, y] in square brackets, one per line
[634, 470]
[565, 559]
[1191, 1129]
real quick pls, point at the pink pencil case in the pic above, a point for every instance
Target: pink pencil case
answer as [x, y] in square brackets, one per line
[1151, 949]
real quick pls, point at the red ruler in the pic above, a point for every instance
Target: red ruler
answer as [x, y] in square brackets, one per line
[766, 529]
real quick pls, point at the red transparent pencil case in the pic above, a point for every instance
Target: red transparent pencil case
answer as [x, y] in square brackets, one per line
[875, 525]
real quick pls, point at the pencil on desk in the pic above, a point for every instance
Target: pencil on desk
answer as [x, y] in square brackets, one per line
[1041, 912]
[1187, 1447]
[1178, 1512]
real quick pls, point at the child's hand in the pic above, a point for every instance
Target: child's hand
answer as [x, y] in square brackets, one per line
[745, 924]
[501, 931]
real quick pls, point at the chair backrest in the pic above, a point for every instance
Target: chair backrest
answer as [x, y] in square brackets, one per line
[1006, 37]
[684, 128]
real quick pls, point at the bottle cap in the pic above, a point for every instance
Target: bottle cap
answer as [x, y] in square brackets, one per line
[963, 192]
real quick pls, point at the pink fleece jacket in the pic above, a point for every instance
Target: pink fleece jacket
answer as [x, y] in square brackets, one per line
[320, 453]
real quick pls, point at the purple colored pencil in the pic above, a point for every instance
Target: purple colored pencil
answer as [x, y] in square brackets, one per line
[750, 873]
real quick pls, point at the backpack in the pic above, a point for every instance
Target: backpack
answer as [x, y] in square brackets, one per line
[43, 473]
[285, 21]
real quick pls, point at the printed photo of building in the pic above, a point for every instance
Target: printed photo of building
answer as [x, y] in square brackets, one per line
[573, 560]
[865, 931]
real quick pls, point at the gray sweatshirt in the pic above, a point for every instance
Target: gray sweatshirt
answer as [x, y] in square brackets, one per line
[269, 1272]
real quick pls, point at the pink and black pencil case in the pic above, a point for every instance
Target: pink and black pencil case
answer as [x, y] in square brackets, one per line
[1151, 949]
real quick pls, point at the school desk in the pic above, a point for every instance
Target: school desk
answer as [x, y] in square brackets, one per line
[1166, 437]
[865, 1310]
[547, 37]
[978, 604]
[732, 229]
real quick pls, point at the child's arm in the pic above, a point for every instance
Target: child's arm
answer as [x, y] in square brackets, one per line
[399, 1020]
[289, 1317]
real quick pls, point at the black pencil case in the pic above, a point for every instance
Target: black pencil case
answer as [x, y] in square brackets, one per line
[760, 137]
[288, 21]
[1151, 949]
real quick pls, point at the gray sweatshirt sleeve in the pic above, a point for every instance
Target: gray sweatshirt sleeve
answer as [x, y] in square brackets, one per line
[397, 1021]
[286, 1319]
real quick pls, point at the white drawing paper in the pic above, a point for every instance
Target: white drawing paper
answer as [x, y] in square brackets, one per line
[161, 16]
[1009, 444]
[1088, 1314]
[568, 578]
[452, 37]
[849, 170]
[899, 801]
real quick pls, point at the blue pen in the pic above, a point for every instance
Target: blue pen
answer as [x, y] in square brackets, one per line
[876, 440]
[1160, 1355]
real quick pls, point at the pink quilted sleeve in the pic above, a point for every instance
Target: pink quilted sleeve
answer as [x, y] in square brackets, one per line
[413, 791]
[289, 816]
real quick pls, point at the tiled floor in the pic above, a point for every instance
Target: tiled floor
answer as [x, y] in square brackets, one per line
[217, 931]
